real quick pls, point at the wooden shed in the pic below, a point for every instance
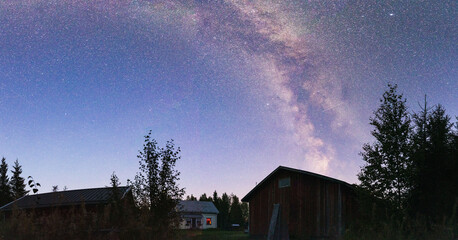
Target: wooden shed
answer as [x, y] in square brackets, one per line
[312, 205]
[93, 199]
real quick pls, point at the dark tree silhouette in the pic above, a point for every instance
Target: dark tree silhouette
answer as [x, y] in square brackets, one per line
[235, 214]
[224, 208]
[191, 198]
[386, 173]
[433, 193]
[155, 187]
[204, 197]
[5, 189]
[17, 182]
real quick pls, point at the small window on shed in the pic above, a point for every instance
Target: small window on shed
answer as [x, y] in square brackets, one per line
[284, 182]
[209, 221]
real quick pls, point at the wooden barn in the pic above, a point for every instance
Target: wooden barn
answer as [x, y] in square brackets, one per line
[311, 206]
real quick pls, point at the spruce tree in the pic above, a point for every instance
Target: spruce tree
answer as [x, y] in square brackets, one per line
[17, 182]
[441, 163]
[235, 214]
[421, 174]
[191, 198]
[224, 208]
[5, 189]
[204, 197]
[386, 173]
[433, 194]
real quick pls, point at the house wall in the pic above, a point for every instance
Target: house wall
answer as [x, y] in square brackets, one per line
[203, 220]
[214, 221]
[311, 206]
[183, 224]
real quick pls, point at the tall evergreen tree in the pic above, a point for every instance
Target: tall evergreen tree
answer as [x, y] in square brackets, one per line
[204, 197]
[191, 198]
[435, 165]
[235, 214]
[420, 166]
[5, 189]
[224, 208]
[386, 173]
[441, 162]
[217, 202]
[17, 182]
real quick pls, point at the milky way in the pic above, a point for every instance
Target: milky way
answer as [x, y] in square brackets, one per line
[262, 83]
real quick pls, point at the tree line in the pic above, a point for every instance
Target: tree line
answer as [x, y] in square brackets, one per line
[14, 188]
[231, 210]
[411, 168]
[152, 215]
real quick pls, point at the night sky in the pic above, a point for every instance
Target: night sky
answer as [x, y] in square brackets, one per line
[241, 86]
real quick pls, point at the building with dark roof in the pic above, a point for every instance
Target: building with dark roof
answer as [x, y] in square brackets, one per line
[92, 198]
[308, 205]
[197, 214]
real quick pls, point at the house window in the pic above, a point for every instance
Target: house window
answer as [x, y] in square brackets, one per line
[284, 182]
[199, 223]
[209, 221]
[188, 222]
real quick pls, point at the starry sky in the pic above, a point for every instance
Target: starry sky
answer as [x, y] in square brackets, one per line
[241, 86]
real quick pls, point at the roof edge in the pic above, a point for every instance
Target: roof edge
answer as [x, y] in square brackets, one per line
[6, 206]
[247, 197]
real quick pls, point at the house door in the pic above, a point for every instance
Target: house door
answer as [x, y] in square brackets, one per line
[193, 223]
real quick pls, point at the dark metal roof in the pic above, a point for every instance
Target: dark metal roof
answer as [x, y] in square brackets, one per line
[282, 168]
[65, 198]
[197, 207]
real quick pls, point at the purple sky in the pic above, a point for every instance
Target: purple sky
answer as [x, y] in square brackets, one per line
[241, 86]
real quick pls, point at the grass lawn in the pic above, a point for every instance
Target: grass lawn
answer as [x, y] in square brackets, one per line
[213, 234]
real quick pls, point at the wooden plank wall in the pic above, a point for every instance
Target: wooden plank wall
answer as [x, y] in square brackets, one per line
[312, 206]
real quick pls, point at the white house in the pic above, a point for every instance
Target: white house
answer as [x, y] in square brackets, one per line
[197, 214]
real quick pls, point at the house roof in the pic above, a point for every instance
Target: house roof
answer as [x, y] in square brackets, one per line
[283, 168]
[197, 207]
[65, 198]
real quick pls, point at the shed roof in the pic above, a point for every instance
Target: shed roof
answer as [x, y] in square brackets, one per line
[283, 168]
[65, 198]
[197, 207]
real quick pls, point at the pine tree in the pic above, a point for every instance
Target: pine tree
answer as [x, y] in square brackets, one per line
[116, 207]
[235, 214]
[224, 208]
[114, 183]
[420, 166]
[17, 182]
[433, 194]
[441, 162]
[217, 202]
[204, 197]
[386, 173]
[5, 189]
[191, 198]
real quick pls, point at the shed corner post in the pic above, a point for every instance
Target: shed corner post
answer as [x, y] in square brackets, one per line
[339, 212]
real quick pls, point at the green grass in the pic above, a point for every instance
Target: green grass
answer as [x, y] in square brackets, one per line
[211, 234]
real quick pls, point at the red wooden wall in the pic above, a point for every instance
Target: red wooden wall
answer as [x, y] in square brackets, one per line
[311, 206]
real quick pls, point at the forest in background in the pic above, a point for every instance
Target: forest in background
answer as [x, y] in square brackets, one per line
[408, 187]
[409, 180]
